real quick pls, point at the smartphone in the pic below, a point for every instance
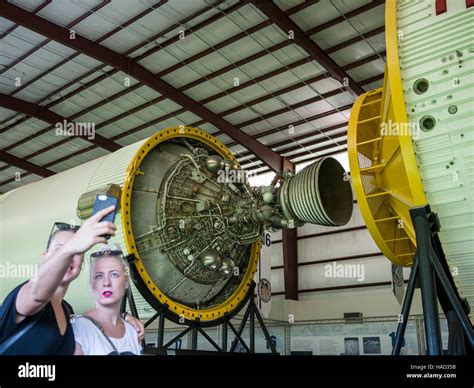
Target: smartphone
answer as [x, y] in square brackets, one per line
[102, 202]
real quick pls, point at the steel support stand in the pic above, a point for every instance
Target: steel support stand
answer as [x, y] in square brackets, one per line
[436, 283]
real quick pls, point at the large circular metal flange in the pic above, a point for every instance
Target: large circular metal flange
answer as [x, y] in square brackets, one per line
[383, 166]
[180, 310]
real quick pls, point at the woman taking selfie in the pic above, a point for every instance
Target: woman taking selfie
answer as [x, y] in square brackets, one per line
[102, 331]
[34, 317]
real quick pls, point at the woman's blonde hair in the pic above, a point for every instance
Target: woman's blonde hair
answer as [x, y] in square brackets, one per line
[109, 250]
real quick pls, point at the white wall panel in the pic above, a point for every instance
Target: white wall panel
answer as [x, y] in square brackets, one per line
[336, 245]
[312, 276]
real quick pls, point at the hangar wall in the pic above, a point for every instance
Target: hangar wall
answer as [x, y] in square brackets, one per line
[317, 256]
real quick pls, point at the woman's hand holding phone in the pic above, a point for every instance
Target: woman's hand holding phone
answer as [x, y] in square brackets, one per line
[92, 232]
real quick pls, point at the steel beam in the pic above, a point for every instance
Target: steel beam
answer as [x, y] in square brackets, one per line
[45, 42]
[130, 66]
[335, 288]
[282, 20]
[181, 22]
[328, 233]
[290, 263]
[205, 101]
[41, 113]
[25, 165]
[305, 4]
[338, 259]
[15, 26]
[196, 82]
[295, 124]
[100, 67]
[344, 17]
[289, 108]
[303, 153]
[248, 164]
[319, 149]
[304, 147]
[295, 139]
[407, 300]
[261, 134]
[427, 279]
[190, 85]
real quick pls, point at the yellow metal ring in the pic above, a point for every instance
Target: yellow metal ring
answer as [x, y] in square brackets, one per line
[179, 309]
[398, 100]
[384, 171]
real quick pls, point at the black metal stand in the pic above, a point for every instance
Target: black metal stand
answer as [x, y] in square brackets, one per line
[251, 312]
[431, 270]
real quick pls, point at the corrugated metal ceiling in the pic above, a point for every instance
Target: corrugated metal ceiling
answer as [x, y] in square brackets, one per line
[284, 97]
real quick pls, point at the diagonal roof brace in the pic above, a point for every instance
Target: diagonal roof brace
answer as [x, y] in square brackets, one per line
[52, 118]
[25, 165]
[282, 20]
[129, 66]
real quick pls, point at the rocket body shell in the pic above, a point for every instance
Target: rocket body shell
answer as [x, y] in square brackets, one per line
[28, 213]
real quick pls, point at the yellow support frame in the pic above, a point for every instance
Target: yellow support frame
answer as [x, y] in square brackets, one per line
[383, 166]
